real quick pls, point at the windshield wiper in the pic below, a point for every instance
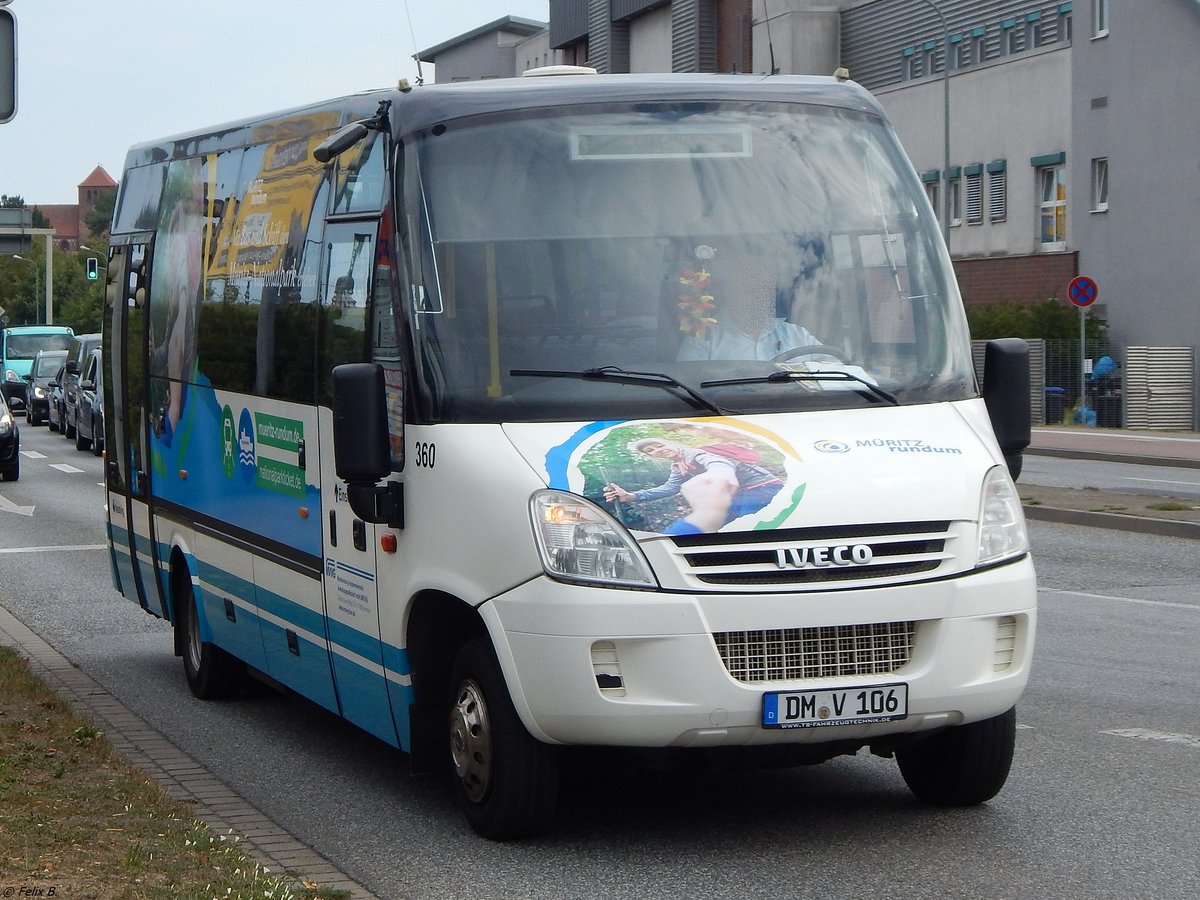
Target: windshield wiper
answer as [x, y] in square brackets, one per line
[624, 376]
[785, 377]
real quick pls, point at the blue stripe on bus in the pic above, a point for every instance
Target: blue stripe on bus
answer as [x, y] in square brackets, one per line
[374, 703]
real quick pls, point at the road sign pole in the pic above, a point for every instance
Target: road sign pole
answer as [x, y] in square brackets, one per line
[1083, 292]
[1082, 367]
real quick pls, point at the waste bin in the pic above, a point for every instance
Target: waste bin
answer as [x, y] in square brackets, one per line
[1055, 399]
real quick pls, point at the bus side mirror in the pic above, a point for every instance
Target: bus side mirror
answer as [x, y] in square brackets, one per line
[1006, 395]
[361, 453]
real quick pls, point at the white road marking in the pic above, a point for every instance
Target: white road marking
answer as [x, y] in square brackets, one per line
[1146, 734]
[8, 506]
[1137, 600]
[1161, 481]
[53, 549]
[65, 467]
[33, 454]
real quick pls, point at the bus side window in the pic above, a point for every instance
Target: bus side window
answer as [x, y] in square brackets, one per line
[342, 330]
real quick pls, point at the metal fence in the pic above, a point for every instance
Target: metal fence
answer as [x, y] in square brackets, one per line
[1138, 387]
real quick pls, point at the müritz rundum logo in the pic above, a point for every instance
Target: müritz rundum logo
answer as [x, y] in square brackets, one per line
[832, 446]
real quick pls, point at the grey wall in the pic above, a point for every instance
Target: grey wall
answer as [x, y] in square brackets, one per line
[1144, 82]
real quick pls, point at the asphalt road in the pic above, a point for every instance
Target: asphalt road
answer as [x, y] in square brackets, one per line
[1101, 803]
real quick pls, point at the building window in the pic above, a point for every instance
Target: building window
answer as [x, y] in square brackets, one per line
[1099, 18]
[934, 195]
[1012, 38]
[1065, 23]
[978, 48]
[1100, 184]
[997, 199]
[1035, 33]
[974, 178]
[954, 187]
[1052, 207]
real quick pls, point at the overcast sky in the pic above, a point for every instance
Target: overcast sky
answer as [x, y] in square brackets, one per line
[96, 77]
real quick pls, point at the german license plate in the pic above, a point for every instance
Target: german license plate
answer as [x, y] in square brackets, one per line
[835, 706]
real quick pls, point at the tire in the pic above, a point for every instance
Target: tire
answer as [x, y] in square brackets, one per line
[506, 781]
[13, 473]
[212, 674]
[31, 419]
[51, 423]
[961, 766]
[67, 429]
[81, 443]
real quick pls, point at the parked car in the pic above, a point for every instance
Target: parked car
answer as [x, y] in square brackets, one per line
[54, 414]
[89, 405]
[46, 364]
[10, 444]
[77, 358]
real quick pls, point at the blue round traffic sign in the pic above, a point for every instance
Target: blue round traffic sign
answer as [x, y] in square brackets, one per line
[1083, 291]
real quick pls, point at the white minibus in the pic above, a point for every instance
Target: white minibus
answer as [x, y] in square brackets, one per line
[610, 411]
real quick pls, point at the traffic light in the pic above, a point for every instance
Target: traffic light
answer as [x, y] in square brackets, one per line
[93, 268]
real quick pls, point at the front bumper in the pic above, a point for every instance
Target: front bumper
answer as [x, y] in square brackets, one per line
[560, 645]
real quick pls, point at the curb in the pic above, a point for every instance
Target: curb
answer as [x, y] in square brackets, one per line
[1118, 521]
[1174, 462]
[181, 777]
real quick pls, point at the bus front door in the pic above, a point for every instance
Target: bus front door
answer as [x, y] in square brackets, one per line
[352, 604]
[124, 351]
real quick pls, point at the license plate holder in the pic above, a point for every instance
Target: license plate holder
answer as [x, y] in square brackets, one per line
[858, 705]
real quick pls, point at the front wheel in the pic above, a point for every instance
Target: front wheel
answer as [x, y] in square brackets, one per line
[961, 766]
[212, 674]
[506, 781]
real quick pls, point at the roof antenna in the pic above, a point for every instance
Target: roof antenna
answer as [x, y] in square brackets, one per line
[411, 31]
[770, 46]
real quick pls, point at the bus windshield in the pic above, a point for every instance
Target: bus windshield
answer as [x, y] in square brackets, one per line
[26, 346]
[674, 259]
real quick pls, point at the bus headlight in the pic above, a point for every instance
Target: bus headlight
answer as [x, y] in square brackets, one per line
[579, 541]
[1002, 533]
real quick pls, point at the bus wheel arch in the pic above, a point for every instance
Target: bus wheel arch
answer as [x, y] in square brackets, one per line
[211, 673]
[438, 624]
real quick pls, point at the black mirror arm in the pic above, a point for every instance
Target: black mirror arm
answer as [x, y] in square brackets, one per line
[382, 504]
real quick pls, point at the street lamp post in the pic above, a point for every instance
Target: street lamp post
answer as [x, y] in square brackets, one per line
[945, 120]
[37, 289]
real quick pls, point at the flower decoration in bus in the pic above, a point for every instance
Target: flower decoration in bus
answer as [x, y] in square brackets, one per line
[696, 303]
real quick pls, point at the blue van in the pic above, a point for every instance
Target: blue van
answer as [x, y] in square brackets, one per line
[18, 346]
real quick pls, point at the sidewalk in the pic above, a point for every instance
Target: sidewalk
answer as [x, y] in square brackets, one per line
[1163, 515]
[179, 774]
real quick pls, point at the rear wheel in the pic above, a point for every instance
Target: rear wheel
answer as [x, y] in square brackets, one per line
[506, 781]
[81, 443]
[212, 674]
[14, 472]
[67, 429]
[963, 765]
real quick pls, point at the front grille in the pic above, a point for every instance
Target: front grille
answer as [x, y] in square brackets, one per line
[834, 651]
[800, 557]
